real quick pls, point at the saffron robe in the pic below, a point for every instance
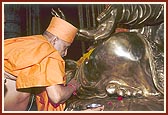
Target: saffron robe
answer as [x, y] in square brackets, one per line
[35, 63]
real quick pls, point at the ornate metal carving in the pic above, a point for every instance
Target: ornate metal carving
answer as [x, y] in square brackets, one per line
[130, 65]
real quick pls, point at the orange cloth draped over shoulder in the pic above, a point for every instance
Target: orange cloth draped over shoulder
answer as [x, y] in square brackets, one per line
[35, 63]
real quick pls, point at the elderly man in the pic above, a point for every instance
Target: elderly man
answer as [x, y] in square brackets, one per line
[37, 64]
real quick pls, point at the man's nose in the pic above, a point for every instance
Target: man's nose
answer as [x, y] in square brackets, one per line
[65, 53]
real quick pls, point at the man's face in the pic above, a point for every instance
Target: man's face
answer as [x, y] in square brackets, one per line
[61, 46]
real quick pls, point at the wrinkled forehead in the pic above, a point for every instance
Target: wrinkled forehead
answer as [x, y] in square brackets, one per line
[66, 44]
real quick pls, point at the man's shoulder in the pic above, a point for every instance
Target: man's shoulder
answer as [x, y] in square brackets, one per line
[26, 38]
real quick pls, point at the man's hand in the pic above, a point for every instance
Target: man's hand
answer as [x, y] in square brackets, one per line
[75, 83]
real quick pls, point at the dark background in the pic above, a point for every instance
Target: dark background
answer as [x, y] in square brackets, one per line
[32, 19]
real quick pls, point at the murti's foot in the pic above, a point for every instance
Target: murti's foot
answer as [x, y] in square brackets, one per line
[122, 90]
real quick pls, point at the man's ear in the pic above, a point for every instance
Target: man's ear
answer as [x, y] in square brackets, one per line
[53, 40]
